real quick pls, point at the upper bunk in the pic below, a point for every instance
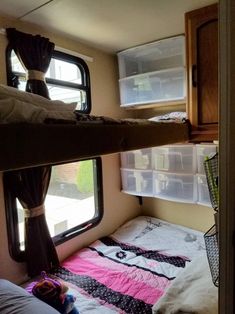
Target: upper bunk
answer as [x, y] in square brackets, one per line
[35, 131]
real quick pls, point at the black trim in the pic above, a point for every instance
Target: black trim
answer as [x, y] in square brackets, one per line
[12, 216]
[154, 255]
[99, 207]
[12, 77]
[129, 265]
[12, 224]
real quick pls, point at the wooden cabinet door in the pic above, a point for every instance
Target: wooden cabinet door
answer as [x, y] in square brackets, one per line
[202, 72]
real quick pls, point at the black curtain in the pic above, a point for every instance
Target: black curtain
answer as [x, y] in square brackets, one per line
[34, 52]
[30, 185]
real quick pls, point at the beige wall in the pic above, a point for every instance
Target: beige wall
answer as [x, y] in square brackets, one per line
[105, 101]
[189, 215]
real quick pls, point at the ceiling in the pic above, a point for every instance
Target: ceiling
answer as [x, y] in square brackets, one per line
[110, 25]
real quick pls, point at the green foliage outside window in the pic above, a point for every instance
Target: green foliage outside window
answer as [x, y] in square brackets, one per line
[85, 182]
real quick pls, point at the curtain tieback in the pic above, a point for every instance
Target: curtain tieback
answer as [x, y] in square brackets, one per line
[36, 75]
[35, 211]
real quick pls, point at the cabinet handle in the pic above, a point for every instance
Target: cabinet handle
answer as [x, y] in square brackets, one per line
[194, 75]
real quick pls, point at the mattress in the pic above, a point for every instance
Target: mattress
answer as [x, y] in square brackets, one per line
[130, 270]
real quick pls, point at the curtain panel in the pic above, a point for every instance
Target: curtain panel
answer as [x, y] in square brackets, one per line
[34, 52]
[30, 185]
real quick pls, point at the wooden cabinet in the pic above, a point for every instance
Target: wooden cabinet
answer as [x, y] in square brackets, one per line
[202, 72]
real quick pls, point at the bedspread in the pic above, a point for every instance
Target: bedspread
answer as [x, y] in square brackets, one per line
[130, 270]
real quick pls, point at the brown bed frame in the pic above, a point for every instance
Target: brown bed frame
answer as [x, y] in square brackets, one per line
[27, 145]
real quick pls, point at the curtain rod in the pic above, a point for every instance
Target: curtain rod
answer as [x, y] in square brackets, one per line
[71, 52]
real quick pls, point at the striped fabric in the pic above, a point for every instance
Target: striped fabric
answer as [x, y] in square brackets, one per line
[130, 270]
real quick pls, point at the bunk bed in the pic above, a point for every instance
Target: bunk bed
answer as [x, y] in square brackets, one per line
[55, 133]
[130, 271]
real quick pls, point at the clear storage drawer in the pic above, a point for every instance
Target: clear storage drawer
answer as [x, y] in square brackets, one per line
[137, 159]
[202, 151]
[203, 191]
[137, 182]
[153, 87]
[175, 158]
[162, 54]
[175, 187]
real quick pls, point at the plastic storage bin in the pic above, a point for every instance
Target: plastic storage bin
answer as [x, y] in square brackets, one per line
[153, 73]
[174, 158]
[137, 182]
[162, 54]
[203, 191]
[161, 86]
[137, 159]
[202, 151]
[175, 187]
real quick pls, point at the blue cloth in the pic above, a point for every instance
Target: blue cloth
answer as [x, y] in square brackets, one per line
[67, 307]
[69, 304]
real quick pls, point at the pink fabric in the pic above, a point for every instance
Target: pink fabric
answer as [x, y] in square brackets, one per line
[138, 275]
[114, 278]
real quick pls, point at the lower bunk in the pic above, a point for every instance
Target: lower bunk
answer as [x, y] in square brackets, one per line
[133, 269]
[147, 266]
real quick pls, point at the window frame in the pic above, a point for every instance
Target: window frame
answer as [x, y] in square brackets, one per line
[13, 223]
[12, 76]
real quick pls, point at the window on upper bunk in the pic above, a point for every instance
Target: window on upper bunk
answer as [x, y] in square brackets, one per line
[74, 203]
[67, 78]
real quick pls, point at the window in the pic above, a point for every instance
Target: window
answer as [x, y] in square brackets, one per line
[67, 78]
[74, 201]
[73, 204]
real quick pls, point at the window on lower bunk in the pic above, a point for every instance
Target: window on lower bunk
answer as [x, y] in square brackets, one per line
[74, 204]
[67, 78]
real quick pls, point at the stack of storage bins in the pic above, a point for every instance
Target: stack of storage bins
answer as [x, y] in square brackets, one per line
[153, 73]
[203, 150]
[136, 172]
[171, 172]
[174, 169]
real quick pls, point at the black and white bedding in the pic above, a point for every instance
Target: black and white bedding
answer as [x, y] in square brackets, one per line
[131, 270]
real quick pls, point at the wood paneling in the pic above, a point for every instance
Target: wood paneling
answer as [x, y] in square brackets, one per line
[202, 72]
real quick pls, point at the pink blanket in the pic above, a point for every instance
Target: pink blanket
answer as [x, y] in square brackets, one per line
[130, 270]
